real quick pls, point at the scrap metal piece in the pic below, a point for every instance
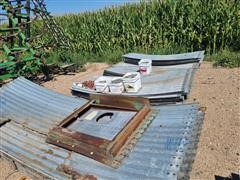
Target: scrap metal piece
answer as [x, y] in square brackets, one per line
[102, 141]
[117, 120]
[164, 84]
[122, 68]
[164, 60]
[34, 106]
[165, 149]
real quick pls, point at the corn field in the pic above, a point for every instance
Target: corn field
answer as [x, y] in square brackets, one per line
[195, 24]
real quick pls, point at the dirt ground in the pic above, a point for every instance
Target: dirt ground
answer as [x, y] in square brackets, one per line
[217, 89]
[218, 152]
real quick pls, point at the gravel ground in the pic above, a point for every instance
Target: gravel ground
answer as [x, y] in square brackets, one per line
[217, 89]
[218, 152]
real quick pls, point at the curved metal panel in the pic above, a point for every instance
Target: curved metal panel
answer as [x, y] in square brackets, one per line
[164, 151]
[34, 106]
[122, 68]
[161, 85]
[161, 60]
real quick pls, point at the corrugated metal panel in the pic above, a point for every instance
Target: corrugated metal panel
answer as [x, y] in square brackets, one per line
[30, 149]
[34, 106]
[159, 60]
[122, 68]
[163, 83]
[165, 150]
[159, 83]
[158, 99]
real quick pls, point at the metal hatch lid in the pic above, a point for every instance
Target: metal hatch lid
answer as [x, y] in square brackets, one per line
[165, 150]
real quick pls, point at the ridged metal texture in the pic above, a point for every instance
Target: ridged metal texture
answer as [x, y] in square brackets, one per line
[165, 150]
[163, 60]
[159, 99]
[29, 148]
[34, 106]
[122, 68]
[168, 83]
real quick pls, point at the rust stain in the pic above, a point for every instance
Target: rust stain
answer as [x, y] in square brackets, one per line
[75, 175]
[100, 149]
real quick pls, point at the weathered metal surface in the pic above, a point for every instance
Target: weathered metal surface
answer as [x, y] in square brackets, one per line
[29, 148]
[122, 68]
[101, 141]
[161, 60]
[107, 130]
[165, 82]
[34, 106]
[165, 150]
[160, 99]
[168, 83]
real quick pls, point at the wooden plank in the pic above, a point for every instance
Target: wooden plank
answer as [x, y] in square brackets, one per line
[123, 136]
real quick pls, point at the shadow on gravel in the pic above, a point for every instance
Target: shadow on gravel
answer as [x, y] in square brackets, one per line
[233, 176]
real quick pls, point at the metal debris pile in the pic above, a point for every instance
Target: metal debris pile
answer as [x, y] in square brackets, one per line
[109, 136]
[165, 83]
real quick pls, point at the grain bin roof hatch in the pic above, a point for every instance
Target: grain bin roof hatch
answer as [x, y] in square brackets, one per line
[102, 128]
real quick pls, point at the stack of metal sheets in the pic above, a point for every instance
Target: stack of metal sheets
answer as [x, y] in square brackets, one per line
[164, 84]
[165, 150]
[169, 82]
[163, 60]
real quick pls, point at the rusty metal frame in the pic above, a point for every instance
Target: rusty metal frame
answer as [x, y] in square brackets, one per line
[102, 150]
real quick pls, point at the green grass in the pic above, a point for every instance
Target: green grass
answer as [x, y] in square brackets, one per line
[226, 58]
[110, 57]
[2, 56]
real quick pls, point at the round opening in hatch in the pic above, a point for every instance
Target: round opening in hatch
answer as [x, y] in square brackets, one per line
[105, 117]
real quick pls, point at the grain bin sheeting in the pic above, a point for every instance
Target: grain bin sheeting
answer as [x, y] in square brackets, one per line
[164, 60]
[35, 106]
[165, 149]
[122, 68]
[164, 84]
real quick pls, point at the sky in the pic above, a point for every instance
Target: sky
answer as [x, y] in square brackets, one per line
[58, 7]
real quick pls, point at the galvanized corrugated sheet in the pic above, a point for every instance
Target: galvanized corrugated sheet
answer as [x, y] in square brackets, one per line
[161, 60]
[159, 83]
[34, 106]
[122, 68]
[160, 86]
[158, 99]
[165, 150]
[30, 149]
